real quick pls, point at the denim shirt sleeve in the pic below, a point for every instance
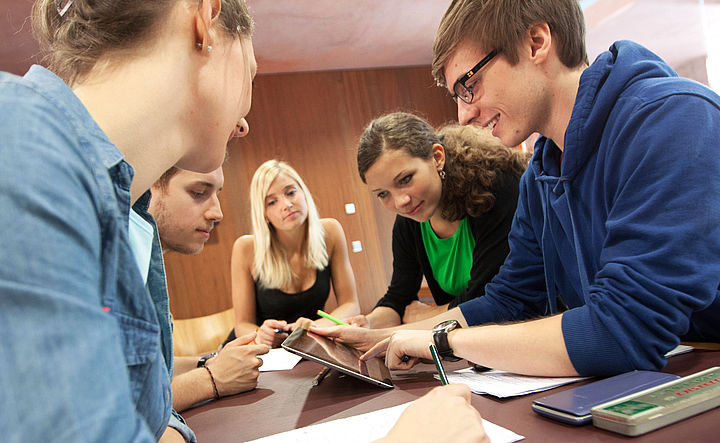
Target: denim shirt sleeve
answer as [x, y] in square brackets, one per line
[69, 385]
[178, 423]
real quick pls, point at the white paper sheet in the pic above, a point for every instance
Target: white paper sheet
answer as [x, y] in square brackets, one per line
[679, 349]
[506, 384]
[366, 428]
[278, 359]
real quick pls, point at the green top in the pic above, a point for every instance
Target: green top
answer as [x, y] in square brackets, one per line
[450, 258]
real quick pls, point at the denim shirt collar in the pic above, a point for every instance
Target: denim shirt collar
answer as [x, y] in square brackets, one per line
[57, 92]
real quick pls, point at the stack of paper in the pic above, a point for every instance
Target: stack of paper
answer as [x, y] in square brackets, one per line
[506, 384]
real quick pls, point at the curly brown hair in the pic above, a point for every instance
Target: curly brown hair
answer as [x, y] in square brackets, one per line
[473, 159]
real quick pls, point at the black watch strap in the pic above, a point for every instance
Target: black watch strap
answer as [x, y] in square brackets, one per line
[440, 338]
[205, 358]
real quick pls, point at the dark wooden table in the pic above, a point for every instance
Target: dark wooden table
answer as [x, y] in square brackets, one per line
[286, 400]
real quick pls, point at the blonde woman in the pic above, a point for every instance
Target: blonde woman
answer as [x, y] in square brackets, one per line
[285, 269]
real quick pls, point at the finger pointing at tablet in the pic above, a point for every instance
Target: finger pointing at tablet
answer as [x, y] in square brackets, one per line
[403, 344]
[359, 338]
[376, 351]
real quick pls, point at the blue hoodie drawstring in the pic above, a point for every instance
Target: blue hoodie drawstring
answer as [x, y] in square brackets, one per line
[546, 248]
[582, 270]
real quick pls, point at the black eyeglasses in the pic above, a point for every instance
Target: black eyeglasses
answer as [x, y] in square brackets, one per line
[463, 92]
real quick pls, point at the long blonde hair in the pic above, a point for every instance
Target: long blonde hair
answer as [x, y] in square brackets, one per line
[270, 262]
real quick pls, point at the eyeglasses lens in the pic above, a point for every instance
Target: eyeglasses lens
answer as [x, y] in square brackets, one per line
[463, 93]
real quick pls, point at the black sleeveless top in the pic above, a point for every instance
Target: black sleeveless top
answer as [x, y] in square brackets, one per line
[274, 303]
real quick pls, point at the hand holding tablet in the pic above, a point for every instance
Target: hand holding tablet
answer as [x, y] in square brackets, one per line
[338, 356]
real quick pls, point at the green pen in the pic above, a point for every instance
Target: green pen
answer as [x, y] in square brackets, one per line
[438, 364]
[331, 318]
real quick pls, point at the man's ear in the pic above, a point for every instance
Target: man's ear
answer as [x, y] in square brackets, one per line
[205, 17]
[539, 41]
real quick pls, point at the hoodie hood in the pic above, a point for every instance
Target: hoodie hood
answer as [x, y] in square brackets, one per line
[624, 65]
[621, 71]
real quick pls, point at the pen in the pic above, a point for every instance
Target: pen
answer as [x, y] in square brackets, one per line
[331, 318]
[438, 364]
[321, 376]
[253, 342]
[279, 330]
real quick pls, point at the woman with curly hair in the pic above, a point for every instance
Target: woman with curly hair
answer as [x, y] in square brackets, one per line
[455, 193]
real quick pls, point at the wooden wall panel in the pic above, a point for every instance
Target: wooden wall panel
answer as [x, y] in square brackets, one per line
[313, 121]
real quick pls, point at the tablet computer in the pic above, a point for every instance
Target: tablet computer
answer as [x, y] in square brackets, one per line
[338, 356]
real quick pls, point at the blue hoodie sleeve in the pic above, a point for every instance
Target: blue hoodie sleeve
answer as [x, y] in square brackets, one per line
[659, 262]
[518, 291]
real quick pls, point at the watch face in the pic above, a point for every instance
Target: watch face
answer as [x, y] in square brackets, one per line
[205, 358]
[446, 325]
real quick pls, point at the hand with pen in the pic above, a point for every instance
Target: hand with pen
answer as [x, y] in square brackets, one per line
[273, 332]
[236, 367]
[359, 320]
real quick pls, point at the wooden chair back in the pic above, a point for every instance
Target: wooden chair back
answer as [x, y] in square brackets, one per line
[202, 335]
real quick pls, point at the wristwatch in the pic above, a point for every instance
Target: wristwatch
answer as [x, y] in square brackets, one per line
[440, 333]
[205, 358]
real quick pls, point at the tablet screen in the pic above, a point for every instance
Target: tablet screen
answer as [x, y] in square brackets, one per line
[338, 356]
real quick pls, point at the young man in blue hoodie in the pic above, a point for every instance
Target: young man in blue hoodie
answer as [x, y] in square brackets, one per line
[618, 219]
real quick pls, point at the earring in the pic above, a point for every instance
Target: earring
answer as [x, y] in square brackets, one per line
[200, 45]
[442, 174]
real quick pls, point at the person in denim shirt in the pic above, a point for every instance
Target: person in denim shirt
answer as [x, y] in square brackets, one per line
[79, 148]
[133, 88]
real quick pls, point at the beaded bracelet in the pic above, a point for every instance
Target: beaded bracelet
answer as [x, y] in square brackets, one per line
[212, 379]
